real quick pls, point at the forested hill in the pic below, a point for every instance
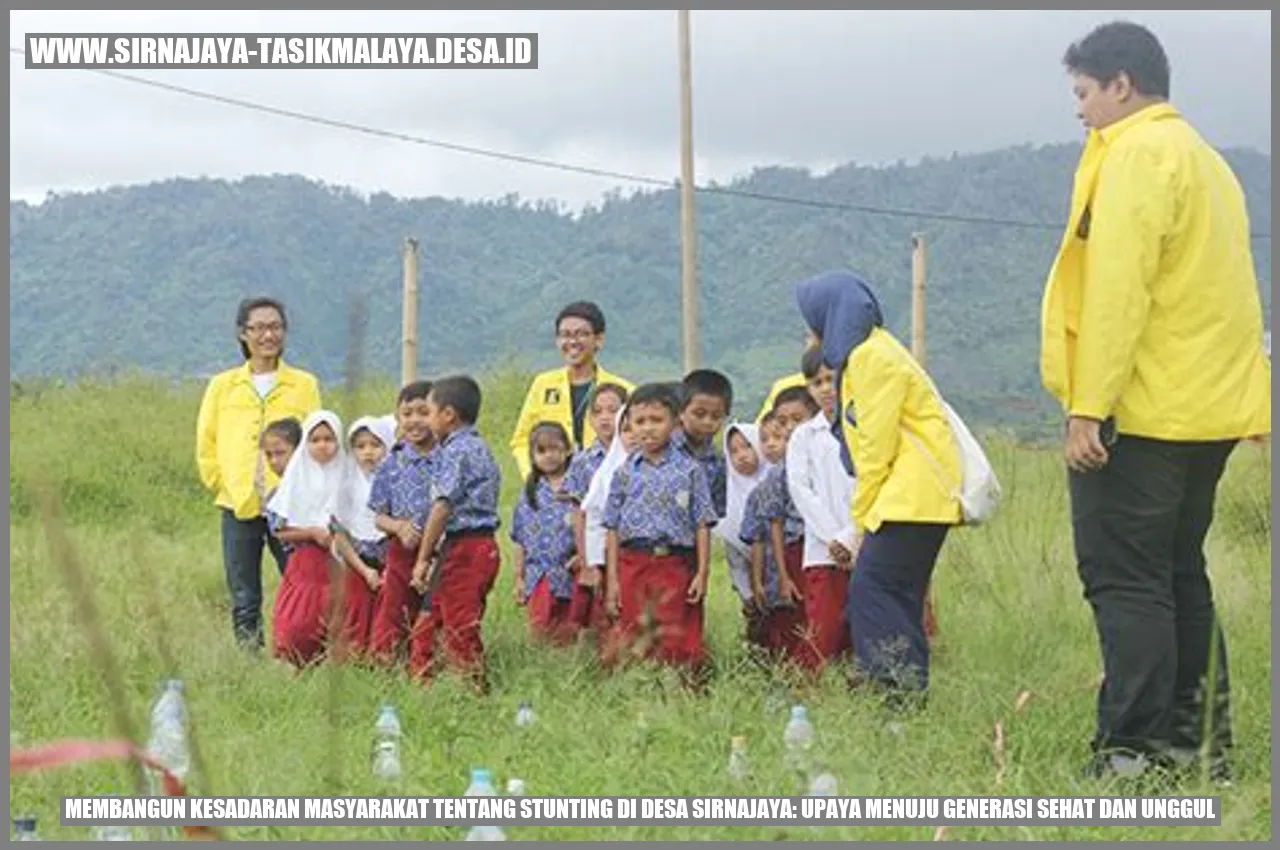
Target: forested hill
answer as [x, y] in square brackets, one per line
[148, 276]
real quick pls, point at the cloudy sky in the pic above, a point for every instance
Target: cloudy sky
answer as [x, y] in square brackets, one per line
[801, 88]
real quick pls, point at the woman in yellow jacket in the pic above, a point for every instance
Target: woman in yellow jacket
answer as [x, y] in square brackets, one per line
[238, 404]
[896, 436]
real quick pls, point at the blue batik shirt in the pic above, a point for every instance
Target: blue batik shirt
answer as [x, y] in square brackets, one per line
[582, 469]
[755, 529]
[401, 487]
[465, 474]
[776, 503]
[546, 535]
[659, 503]
[713, 464]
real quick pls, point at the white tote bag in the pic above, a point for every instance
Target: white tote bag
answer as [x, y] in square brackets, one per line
[979, 492]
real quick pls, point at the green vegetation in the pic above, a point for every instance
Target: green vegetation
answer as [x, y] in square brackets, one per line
[148, 276]
[1009, 603]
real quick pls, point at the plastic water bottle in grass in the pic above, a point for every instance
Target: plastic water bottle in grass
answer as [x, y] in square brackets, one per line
[739, 764]
[24, 829]
[824, 785]
[525, 715]
[798, 738]
[386, 750]
[482, 786]
[515, 787]
[168, 742]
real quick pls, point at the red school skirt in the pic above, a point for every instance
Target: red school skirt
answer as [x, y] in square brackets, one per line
[302, 606]
[359, 604]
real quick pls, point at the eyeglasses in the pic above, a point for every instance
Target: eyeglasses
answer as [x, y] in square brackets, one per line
[575, 336]
[263, 330]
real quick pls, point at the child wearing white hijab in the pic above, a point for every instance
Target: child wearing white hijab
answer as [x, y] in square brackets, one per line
[301, 514]
[747, 467]
[362, 544]
[593, 506]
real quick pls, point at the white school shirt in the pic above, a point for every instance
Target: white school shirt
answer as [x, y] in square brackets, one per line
[821, 489]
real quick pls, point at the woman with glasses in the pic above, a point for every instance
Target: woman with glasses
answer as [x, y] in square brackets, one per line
[564, 395]
[238, 405]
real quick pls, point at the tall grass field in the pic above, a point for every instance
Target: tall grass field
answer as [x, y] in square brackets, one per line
[1010, 608]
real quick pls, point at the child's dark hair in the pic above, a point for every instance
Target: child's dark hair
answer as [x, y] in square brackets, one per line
[460, 392]
[288, 429]
[655, 394]
[556, 430]
[1122, 48]
[811, 363]
[769, 418]
[708, 382]
[414, 391]
[588, 311]
[618, 391]
[796, 395]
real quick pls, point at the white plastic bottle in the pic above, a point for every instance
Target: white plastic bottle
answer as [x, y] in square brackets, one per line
[386, 751]
[798, 738]
[824, 785]
[24, 829]
[482, 786]
[525, 715]
[739, 764]
[168, 742]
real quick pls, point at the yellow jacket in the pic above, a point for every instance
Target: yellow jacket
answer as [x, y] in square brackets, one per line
[229, 428]
[891, 412]
[1151, 311]
[549, 400]
[796, 380]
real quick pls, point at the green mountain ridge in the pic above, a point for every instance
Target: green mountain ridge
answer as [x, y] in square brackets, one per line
[148, 276]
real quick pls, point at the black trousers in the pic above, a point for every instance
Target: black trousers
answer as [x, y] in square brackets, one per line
[242, 542]
[1139, 525]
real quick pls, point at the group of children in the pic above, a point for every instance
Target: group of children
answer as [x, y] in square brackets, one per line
[399, 516]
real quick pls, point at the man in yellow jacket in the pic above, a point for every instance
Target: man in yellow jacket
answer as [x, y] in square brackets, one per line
[237, 405]
[564, 395]
[1150, 343]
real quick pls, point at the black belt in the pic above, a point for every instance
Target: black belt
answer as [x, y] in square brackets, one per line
[658, 550]
[470, 532]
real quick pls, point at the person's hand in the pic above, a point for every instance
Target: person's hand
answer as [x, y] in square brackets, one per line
[758, 597]
[419, 580]
[612, 597]
[788, 593]
[1084, 449]
[589, 577]
[842, 557]
[322, 537]
[372, 579]
[518, 591]
[408, 534]
[697, 588]
[575, 564]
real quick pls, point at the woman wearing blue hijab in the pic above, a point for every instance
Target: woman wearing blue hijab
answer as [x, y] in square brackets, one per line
[896, 434]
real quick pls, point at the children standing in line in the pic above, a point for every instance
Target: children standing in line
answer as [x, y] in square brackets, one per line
[465, 482]
[822, 492]
[300, 514]
[278, 442]
[399, 498]
[658, 518]
[543, 533]
[587, 608]
[369, 439]
[707, 402]
[746, 469]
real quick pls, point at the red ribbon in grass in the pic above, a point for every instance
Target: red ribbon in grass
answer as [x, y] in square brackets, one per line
[78, 751]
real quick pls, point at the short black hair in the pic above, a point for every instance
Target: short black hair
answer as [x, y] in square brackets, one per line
[793, 395]
[288, 429]
[655, 394]
[769, 416]
[619, 391]
[246, 307]
[414, 391]
[588, 311]
[1119, 48]
[460, 392]
[811, 363]
[707, 382]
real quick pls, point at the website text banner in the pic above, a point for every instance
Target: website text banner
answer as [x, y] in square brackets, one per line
[289, 50]
[642, 811]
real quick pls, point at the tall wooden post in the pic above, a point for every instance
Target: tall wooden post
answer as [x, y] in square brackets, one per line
[688, 228]
[409, 330]
[919, 257]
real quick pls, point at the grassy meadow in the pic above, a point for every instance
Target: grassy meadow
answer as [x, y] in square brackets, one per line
[1010, 607]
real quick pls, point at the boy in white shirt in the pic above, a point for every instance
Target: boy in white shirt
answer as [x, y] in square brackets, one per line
[823, 494]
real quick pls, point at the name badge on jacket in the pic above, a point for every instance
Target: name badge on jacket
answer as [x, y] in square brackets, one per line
[551, 396]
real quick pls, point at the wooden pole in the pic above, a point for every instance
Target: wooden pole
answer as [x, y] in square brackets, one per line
[688, 229]
[409, 330]
[919, 257]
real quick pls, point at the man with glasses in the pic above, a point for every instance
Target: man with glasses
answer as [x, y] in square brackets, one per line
[564, 395]
[238, 404]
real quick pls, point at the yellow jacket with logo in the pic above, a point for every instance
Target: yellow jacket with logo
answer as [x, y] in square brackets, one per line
[796, 380]
[1151, 311]
[549, 400]
[907, 461]
[229, 429]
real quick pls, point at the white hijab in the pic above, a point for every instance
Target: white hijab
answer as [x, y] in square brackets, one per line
[739, 485]
[309, 491]
[593, 504]
[353, 508]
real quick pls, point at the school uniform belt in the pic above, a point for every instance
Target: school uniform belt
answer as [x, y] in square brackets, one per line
[469, 532]
[658, 550]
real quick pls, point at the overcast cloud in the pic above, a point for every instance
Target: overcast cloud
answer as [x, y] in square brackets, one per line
[812, 89]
